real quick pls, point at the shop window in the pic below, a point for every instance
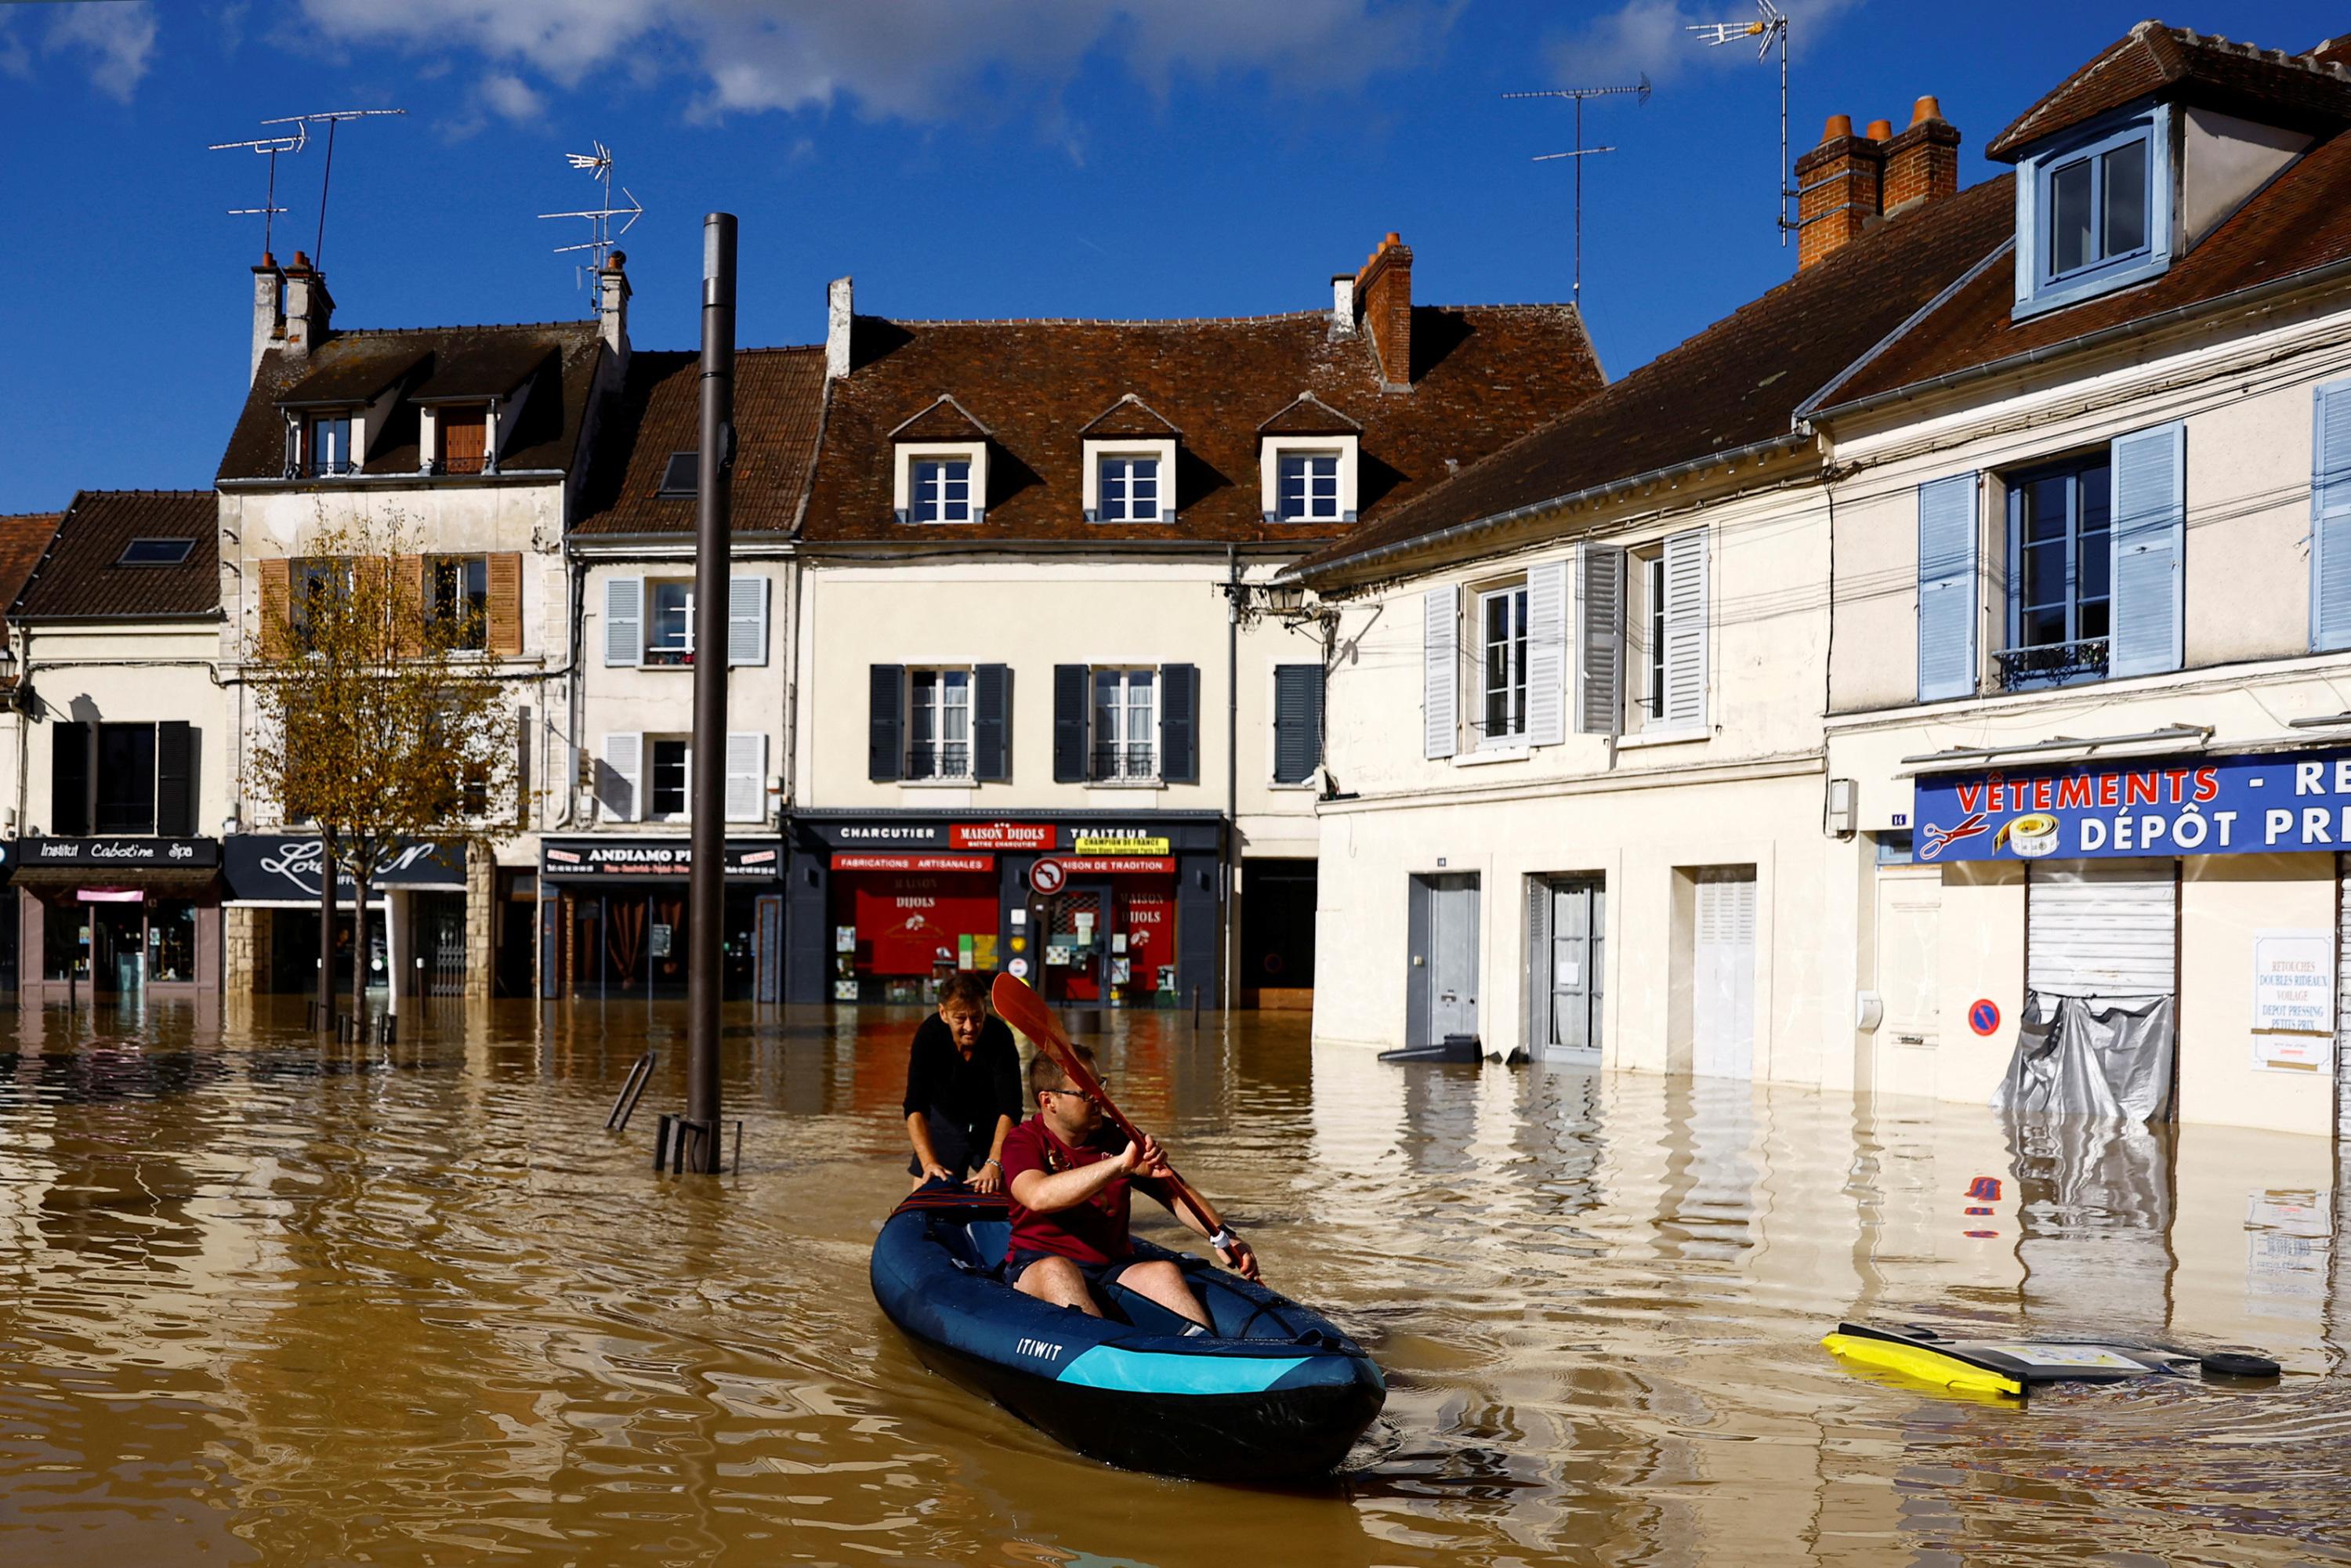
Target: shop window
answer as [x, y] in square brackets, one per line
[1126, 725]
[172, 939]
[65, 941]
[457, 590]
[938, 729]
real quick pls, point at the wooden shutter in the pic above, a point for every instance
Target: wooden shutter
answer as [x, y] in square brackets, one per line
[885, 751]
[1179, 723]
[624, 621]
[2330, 522]
[276, 596]
[465, 439]
[991, 723]
[1947, 588]
[504, 632]
[2150, 478]
[1685, 631]
[1070, 724]
[70, 778]
[413, 604]
[1547, 654]
[747, 620]
[1600, 639]
[619, 781]
[175, 778]
[1296, 722]
[1440, 698]
[747, 777]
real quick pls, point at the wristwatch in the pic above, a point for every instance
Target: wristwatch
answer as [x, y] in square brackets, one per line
[1224, 1238]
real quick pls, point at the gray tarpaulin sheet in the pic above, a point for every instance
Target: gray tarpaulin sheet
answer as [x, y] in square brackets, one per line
[2078, 1056]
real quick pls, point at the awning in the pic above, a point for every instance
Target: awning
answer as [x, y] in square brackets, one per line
[154, 879]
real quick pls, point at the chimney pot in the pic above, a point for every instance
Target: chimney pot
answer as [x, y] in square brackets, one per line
[616, 261]
[1925, 109]
[1881, 130]
[1394, 238]
[1838, 125]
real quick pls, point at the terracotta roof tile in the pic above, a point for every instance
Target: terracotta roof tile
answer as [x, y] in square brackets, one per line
[1129, 416]
[1307, 414]
[2305, 92]
[1486, 375]
[2299, 220]
[80, 575]
[943, 420]
[1735, 384]
[778, 409]
[23, 539]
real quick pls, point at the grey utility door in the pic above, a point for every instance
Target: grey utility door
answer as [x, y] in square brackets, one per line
[1444, 982]
[1565, 918]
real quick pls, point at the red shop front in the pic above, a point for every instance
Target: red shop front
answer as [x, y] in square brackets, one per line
[901, 921]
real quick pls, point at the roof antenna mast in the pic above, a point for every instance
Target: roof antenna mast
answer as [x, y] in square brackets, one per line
[1579, 94]
[269, 147]
[1773, 30]
[330, 119]
[598, 244]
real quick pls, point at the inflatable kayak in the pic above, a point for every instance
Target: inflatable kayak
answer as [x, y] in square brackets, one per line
[1276, 1392]
[2013, 1367]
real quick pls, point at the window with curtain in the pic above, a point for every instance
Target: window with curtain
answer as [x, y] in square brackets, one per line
[1125, 723]
[938, 731]
[1502, 663]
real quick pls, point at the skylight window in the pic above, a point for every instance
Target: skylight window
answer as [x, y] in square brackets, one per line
[682, 476]
[155, 552]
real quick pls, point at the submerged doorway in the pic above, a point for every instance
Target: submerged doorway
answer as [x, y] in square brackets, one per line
[1565, 925]
[1441, 990]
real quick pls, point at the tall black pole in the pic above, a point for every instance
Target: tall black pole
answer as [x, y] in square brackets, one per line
[707, 893]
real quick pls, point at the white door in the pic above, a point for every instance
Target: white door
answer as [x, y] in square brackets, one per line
[1909, 915]
[2105, 928]
[1566, 919]
[1722, 991]
[1453, 953]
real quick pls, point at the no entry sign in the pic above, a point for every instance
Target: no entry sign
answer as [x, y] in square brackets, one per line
[1983, 1016]
[1047, 877]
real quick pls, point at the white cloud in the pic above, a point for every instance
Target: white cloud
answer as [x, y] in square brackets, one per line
[907, 58]
[511, 96]
[1652, 38]
[116, 42]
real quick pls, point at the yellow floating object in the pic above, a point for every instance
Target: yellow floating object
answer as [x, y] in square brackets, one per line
[1920, 1362]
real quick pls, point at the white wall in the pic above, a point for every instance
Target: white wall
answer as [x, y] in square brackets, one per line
[122, 673]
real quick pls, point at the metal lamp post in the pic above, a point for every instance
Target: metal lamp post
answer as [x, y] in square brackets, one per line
[706, 890]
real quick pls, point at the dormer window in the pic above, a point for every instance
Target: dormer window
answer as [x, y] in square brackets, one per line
[465, 439]
[2094, 211]
[1310, 487]
[1129, 452]
[942, 490]
[326, 445]
[941, 463]
[1129, 489]
[1307, 458]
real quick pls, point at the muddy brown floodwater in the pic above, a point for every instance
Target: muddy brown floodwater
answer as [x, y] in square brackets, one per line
[268, 1301]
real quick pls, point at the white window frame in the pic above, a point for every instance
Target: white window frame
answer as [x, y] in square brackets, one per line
[1274, 448]
[645, 812]
[907, 775]
[1125, 709]
[654, 585]
[1097, 453]
[912, 453]
[1481, 596]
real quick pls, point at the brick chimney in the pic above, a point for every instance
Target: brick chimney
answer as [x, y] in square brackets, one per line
[269, 310]
[1838, 189]
[309, 309]
[612, 308]
[1384, 298]
[1922, 164]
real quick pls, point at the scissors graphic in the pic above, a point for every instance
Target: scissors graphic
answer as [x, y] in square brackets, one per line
[1939, 839]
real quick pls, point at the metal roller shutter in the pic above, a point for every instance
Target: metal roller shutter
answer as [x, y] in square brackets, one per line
[2102, 928]
[1722, 1000]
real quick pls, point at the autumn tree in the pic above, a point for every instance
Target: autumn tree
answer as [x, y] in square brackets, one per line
[381, 720]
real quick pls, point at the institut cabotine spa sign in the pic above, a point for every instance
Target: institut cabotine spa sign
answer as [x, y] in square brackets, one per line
[2276, 803]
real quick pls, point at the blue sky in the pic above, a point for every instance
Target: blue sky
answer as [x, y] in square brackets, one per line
[958, 157]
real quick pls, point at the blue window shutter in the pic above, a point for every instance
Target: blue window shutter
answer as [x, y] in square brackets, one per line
[2330, 520]
[1946, 589]
[2150, 480]
[1068, 724]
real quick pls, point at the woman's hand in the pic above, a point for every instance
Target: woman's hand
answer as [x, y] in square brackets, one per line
[934, 1171]
[991, 1178]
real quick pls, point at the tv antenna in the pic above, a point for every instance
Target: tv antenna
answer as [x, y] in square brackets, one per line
[330, 119]
[268, 147]
[1578, 94]
[598, 244]
[1773, 29]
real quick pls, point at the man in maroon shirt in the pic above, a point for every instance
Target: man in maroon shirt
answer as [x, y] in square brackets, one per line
[1070, 1204]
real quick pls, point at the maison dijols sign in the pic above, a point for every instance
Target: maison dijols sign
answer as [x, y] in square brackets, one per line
[119, 852]
[278, 866]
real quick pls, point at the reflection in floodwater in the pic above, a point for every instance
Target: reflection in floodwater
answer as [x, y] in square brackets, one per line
[271, 1300]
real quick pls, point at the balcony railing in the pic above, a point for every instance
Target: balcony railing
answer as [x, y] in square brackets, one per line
[2051, 665]
[1119, 762]
[947, 759]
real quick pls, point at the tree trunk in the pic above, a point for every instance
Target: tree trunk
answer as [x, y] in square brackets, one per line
[326, 932]
[358, 957]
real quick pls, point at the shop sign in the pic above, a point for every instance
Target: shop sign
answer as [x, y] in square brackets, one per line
[2269, 804]
[1120, 841]
[119, 852]
[623, 860]
[2294, 1000]
[882, 833]
[280, 866]
[1001, 835]
[848, 862]
[1114, 865]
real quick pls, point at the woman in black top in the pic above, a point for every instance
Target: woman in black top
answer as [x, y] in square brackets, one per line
[963, 1088]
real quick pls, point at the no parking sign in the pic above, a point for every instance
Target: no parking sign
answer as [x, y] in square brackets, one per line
[1983, 1016]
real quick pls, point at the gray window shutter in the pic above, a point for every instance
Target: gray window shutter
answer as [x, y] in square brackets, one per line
[1440, 701]
[1600, 639]
[70, 778]
[2151, 485]
[1947, 588]
[624, 621]
[991, 723]
[1547, 654]
[1685, 631]
[747, 776]
[1296, 722]
[885, 751]
[1179, 723]
[175, 778]
[1539, 977]
[1068, 724]
[2330, 521]
[617, 781]
[747, 620]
